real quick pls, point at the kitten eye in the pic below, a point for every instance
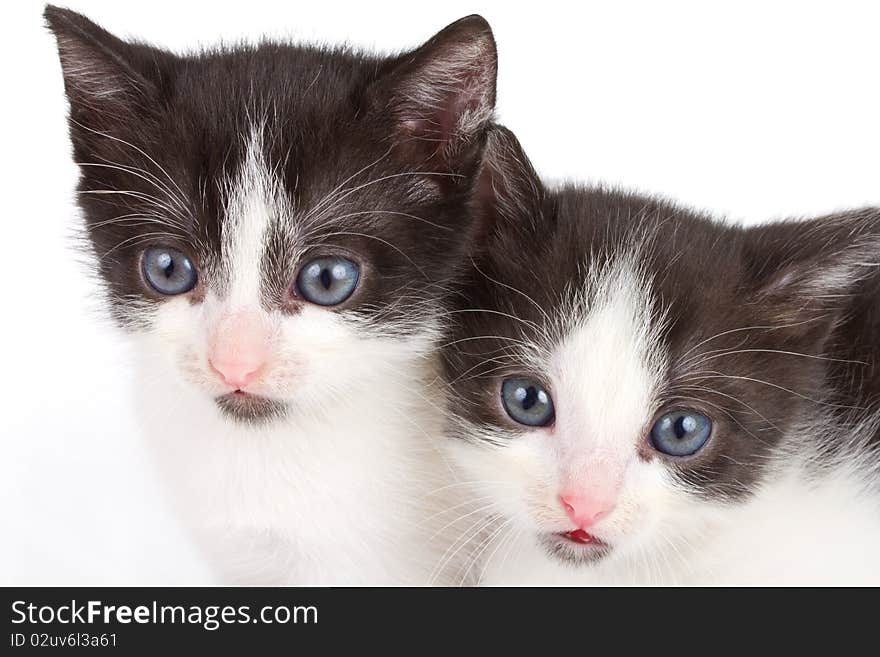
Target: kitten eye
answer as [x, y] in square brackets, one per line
[527, 402]
[328, 281]
[168, 271]
[681, 433]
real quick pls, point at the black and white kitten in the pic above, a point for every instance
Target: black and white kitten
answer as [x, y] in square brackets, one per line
[276, 227]
[640, 394]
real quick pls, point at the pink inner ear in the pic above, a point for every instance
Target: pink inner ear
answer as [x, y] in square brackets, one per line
[452, 113]
[445, 91]
[780, 283]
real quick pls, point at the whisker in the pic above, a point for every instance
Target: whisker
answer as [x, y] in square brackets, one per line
[745, 328]
[719, 375]
[383, 241]
[142, 152]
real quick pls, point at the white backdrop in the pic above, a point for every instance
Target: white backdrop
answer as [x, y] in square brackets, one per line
[754, 111]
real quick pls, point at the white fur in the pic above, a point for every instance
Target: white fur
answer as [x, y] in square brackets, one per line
[808, 525]
[344, 489]
[795, 531]
[255, 202]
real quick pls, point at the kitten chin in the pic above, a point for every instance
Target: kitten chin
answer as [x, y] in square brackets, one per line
[251, 409]
[576, 553]
[277, 227]
[647, 395]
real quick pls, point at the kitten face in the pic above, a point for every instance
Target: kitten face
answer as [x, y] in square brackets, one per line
[277, 225]
[622, 369]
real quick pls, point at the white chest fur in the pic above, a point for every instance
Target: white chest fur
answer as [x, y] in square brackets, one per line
[356, 498]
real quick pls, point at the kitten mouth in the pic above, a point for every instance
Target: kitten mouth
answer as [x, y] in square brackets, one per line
[575, 546]
[581, 537]
[250, 408]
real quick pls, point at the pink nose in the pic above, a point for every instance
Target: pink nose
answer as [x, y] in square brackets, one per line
[240, 349]
[584, 511]
[237, 373]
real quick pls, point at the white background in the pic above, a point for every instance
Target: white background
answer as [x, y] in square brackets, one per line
[755, 111]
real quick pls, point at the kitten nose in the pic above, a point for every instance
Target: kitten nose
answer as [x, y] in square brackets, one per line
[236, 374]
[584, 511]
[240, 349]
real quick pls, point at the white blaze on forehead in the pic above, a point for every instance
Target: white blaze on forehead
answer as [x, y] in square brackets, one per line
[254, 202]
[607, 369]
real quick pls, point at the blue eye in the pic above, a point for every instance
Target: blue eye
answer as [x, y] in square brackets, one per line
[328, 281]
[527, 402]
[681, 433]
[168, 271]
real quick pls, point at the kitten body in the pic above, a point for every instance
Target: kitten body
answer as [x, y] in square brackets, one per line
[626, 311]
[276, 228]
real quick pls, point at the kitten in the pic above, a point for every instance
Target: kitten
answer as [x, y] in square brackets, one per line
[641, 395]
[277, 227]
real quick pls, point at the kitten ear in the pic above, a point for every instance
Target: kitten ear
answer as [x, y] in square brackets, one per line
[441, 96]
[104, 77]
[509, 194]
[806, 271]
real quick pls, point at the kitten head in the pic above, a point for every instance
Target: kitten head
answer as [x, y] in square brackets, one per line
[621, 368]
[277, 223]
